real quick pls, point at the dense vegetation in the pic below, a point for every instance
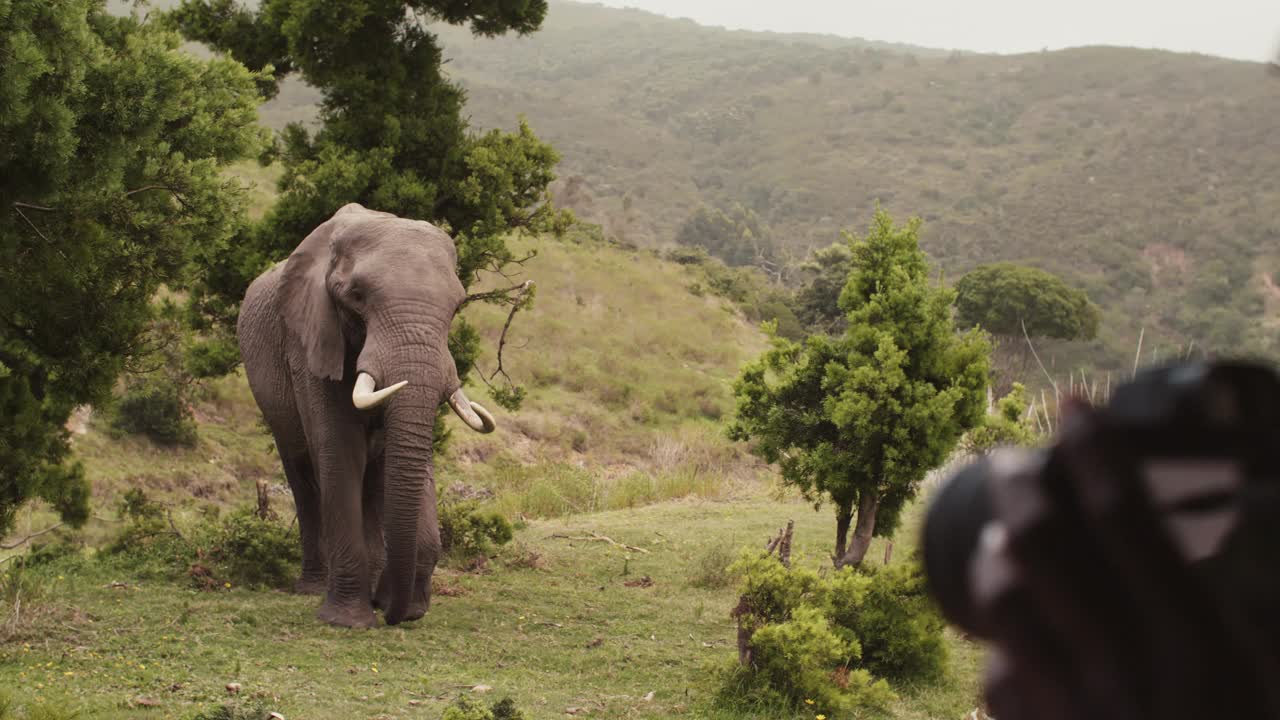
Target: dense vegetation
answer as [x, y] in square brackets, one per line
[111, 145]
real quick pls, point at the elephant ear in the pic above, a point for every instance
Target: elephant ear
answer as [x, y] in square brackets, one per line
[310, 316]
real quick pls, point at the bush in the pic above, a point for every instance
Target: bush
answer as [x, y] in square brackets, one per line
[249, 551]
[900, 627]
[241, 549]
[156, 408]
[828, 639]
[711, 568]
[468, 708]
[237, 710]
[466, 531]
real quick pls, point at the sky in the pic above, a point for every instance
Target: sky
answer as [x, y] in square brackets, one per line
[1241, 29]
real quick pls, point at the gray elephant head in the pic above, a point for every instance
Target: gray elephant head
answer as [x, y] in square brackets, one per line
[367, 300]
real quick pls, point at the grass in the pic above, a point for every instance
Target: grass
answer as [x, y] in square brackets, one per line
[571, 634]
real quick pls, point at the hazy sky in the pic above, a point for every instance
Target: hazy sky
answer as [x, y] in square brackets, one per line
[1245, 29]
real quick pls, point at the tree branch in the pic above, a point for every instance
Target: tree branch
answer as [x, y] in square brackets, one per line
[503, 295]
[17, 207]
[23, 541]
[516, 304]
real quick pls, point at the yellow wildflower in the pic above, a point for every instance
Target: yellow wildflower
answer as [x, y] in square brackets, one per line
[228, 585]
[144, 667]
[822, 717]
[807, 701]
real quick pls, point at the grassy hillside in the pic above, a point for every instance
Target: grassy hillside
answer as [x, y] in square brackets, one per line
[1148, 177]
[621, 411]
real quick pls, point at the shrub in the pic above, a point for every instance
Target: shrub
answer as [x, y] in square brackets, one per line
[52, 551]
[828, 639]
[711, 568]
[466, 531]
[468, 708]
[156, 408]
[249, 551]
[238, 710]
[900, 627]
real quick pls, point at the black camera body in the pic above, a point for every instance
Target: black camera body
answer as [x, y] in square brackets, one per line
[1203, 440]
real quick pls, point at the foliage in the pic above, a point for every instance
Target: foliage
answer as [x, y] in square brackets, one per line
[711, 567]
[392, 134]
[828, 639]
[747, 287]
[467, 531]
[817, 301]
[899, 625]
[250, 551]
[737, 237]
[1010, 425]
[1001, 297]
[111, 142]
[468, 708]
[158, 409]
[861, 418]
[240, 549]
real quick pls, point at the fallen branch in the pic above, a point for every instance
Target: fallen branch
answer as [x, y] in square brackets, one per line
[597, 537]
[23, 541]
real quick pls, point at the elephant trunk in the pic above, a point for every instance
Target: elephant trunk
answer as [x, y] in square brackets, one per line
[409, 487]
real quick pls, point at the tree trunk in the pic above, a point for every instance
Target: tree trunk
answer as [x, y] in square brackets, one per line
[844, 516]
[868, 503]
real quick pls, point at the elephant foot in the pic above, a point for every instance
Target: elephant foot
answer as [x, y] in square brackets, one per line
[351, 615]
[418, 604]
[311, 584]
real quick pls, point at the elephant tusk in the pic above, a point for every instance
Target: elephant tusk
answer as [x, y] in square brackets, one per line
[473, 414]
[365, 397]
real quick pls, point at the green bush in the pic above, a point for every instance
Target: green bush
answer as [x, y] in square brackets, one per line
[237, 710]
[829, 638]
[467, 531]
[901, 627]
[157, 408]
[241, 548]
[711, 568]
[468, 708]
[249, 551]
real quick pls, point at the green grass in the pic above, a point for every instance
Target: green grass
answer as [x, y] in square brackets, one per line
[570, 634]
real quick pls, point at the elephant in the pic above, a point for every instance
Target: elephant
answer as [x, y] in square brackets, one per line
[345, 346]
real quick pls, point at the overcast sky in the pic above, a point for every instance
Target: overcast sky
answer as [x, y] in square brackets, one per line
[1244, 29]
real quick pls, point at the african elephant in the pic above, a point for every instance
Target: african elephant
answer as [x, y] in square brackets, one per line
[365, 302]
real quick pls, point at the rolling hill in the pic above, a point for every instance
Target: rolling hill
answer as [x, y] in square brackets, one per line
[1150, 178]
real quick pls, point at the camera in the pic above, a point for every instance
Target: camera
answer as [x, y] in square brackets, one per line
[1199, 446]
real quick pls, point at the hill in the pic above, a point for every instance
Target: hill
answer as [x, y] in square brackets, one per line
[620, 411]
[1147, 177]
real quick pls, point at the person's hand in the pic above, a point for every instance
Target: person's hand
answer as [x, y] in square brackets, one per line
[1092, 611]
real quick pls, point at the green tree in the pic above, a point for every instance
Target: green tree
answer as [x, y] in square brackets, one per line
[1003, 296]
[392, 133]
[111, 141]
[738, 237]
[818, 299]
[862, 417]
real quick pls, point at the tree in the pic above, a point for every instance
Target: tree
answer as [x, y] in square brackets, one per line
[738, 237]
[1009, 425]
[1003, 296]
[859, 419]
[111, 141]
[392, 134]
[818, 299]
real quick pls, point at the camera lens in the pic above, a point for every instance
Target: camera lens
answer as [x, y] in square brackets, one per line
[952, 528]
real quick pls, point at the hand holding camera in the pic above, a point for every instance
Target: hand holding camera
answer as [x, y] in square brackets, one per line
[1128, 571]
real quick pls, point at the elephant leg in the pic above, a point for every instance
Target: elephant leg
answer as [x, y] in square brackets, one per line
[341, 471]
[306, 502]
[374, 541]
[428, 556]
